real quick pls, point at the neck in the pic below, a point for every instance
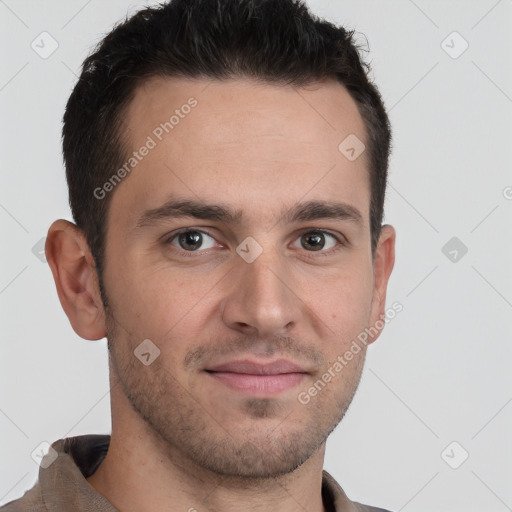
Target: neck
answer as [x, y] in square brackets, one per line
[136, 477]
[141, 472]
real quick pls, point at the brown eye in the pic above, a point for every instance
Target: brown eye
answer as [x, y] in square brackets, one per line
[318, 241]
[192, 240]
[313, 241]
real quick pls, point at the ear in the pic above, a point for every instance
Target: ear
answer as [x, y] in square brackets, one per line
[74, 272]
[382, 266]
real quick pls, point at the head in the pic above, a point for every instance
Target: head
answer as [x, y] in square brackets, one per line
[217, 217]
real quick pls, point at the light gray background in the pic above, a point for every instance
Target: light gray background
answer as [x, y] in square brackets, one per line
[441, 371]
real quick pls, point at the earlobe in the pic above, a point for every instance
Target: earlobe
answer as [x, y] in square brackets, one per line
[74, 272]
[382, 268]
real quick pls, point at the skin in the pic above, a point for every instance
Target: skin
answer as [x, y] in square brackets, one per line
[177, 431]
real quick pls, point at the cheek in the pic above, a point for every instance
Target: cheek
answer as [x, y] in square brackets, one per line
[341, 297]
[160, 303]
[344, 305]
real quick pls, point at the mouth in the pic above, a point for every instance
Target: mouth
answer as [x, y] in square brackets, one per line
[258, 379]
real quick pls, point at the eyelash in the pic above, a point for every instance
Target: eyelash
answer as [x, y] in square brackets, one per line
[342, 242]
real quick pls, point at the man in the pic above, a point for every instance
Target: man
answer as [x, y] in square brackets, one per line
[226, 163]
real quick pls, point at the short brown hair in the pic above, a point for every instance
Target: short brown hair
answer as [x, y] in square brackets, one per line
[278, 41]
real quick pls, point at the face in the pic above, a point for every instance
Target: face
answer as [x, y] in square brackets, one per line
[239, 245]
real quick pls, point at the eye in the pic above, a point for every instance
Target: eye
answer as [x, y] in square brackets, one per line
[194, 240]
[315, 241]
[191, 240]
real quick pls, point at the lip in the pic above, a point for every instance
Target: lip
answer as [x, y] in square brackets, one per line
[246, 366]
[258, 379]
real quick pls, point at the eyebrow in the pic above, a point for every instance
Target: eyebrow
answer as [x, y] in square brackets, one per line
[306, 211]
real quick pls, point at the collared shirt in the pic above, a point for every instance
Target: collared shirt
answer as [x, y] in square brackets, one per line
[62, 484]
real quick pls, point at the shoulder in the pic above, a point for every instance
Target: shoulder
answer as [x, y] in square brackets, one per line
[335, 495]
[31, 501]
[366, 508]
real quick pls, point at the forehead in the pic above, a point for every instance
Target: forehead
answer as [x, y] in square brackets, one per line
[245, 107]
[246, 142]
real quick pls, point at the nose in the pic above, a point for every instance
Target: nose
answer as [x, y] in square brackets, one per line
[262, 300]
